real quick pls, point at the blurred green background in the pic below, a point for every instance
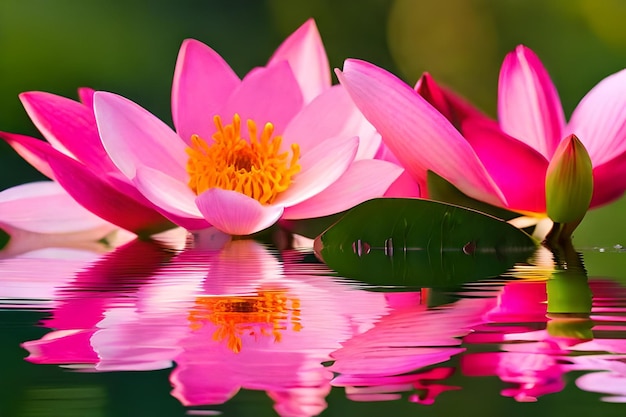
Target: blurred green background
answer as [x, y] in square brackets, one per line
[130, 47]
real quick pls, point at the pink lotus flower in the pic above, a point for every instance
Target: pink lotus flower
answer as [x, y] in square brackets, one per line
[503, 165]
[280, 143]
[74, 157]
[41, 214]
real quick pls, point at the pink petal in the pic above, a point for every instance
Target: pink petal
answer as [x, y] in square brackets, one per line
[266, 95]
[364, 180]
[452, 106]
[305, 53]
[369, 141]
[203, 81]
[109, 198]
[599, 120]
[331, 114]
[235, 213]
[69, 126]
[85, 95]
[34, 151]
[173, 198]
[405, 187]
[321, 166]
[609, 181]
[518, 170]
[417, 134]
[529, 107]
[133, 137]
[44, 207]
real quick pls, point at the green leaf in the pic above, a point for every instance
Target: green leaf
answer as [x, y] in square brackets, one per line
[4, 239]
[421, 243]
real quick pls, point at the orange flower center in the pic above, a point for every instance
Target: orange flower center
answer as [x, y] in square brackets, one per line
[265, 314]
[256, 168]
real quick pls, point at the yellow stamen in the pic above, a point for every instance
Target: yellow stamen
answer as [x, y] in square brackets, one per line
[265, 314]
[256, 168]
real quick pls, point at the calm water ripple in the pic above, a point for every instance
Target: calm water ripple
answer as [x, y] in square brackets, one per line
[213, 328]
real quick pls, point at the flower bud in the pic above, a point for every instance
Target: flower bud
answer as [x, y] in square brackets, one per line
[569, 182]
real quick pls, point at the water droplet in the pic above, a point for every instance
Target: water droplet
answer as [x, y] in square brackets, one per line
[389, 247]
[469, 248]
[361, 248]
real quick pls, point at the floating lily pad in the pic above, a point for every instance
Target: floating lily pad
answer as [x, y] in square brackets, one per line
[421, 243]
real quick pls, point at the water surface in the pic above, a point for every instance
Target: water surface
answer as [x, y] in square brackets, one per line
[168, 329]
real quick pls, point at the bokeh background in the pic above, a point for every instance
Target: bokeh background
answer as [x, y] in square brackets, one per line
[130, 47]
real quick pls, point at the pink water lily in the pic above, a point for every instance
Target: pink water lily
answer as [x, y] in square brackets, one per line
[280, 143]
[41, 214]
[503, 164]
[74, 157]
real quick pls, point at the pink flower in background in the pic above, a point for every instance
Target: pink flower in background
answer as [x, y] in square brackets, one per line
[280, 143]
[74, 158]
[41, 214]
[501, 164]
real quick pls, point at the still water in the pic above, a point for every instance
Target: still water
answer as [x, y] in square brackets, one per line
[169, 328]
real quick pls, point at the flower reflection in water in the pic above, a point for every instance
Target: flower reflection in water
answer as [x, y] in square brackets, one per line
[249, 317]
[24, 285]
[230, 319]
[547, 325]
[82, 305]
[264, 325]
[266, 314]
[382, 362]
